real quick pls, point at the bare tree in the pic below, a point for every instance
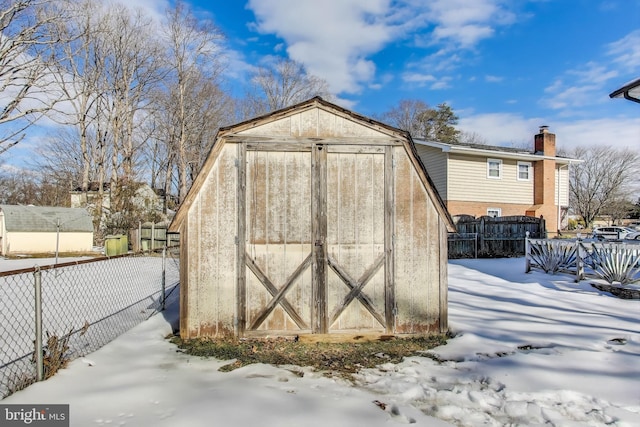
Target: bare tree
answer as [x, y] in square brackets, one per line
[191, 102]
[604, 176]
[132, 70]
[421, 121]
[25, 91]
[281, 84]
[406, 116]
[472, 138]
[80, 64]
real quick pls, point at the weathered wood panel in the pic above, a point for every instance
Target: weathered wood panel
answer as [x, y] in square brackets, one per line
[355, 240]
[212, 223]
[416, 252]
[314, 122]
[278, 240]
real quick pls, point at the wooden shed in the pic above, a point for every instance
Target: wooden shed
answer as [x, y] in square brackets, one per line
[312, 219]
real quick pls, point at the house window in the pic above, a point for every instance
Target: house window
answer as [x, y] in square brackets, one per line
[494, 212]
[494, 168]
[524, 171]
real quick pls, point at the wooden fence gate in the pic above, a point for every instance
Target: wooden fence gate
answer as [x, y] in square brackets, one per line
[317, 224]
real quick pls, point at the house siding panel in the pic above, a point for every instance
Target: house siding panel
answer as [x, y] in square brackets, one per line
[507, 189]
[562, 178]
[435, 161]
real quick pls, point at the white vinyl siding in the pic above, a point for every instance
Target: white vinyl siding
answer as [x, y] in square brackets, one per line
[562, 178]
[468, 181]
[435, 161]
[525, 171]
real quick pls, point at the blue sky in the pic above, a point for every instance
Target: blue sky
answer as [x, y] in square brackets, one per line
[506, 67]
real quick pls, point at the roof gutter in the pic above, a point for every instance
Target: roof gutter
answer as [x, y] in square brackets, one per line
[625, 91]
[488, 152]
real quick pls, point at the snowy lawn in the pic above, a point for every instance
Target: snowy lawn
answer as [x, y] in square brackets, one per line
[531, 349]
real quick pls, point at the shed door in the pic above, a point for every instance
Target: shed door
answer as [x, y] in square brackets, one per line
[278, 242]
[317, 244]
[355, 238]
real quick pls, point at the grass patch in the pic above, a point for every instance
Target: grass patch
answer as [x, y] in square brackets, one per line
[342, 359]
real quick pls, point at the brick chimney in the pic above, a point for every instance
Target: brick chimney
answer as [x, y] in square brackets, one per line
[545, 142]
[544, 179]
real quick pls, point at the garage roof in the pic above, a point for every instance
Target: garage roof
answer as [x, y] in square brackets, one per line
[20, 218]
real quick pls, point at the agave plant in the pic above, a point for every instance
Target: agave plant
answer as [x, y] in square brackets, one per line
[614, 263]
[552, 257]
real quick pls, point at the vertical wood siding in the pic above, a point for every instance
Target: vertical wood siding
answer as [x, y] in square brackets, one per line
[417, 253]
[332, 237]
[278, 235]
[211, 265]
[355, 237]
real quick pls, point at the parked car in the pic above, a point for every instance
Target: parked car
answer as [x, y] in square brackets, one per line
[615, 232]
[635, 225]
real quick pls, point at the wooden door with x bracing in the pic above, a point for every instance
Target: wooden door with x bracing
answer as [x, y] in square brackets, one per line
[316, 245]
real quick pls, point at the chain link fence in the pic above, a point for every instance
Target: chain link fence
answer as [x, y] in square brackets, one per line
[76, 308]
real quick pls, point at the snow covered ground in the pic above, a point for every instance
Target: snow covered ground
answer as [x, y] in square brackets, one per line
[531, 349]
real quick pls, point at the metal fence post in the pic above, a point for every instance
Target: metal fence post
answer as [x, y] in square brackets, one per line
[164, 276]
[527, 249]
[38, 318]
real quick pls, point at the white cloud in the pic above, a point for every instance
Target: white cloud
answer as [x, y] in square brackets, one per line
[627, 50]
[509, 129]
[155, 9]
[503, 129]
[335, 40]
[493, 79]
[465, 22]
[588, 87]
[590, 83]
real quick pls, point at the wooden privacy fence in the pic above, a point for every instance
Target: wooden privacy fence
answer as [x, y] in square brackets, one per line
[614, 262]
[487, 236]
[149, 236]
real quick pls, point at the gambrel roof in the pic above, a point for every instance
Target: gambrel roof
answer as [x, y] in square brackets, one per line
[280, 125]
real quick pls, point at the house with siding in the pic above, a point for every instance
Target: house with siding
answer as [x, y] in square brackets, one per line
[477, 180]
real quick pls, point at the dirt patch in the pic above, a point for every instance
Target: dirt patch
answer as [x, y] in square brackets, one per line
[342, 359]
[620, 292]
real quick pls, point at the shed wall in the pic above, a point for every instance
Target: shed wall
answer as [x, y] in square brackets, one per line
[25, 242]
[208, 307]
[419, 249]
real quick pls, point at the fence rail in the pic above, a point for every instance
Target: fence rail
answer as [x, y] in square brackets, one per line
[52, 314]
